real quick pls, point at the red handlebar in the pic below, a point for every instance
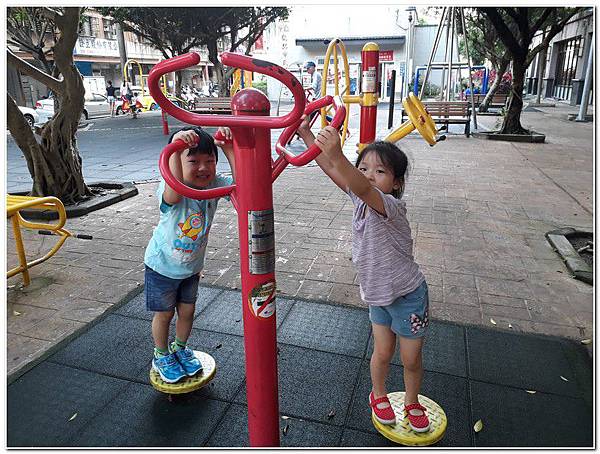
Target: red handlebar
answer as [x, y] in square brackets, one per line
[178, 186]
[234, 60]
[313, 151]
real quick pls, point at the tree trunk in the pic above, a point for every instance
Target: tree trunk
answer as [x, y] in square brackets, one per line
[54, 163]
[512, 119]
[218, 67]
[492, 91]
[178, 80]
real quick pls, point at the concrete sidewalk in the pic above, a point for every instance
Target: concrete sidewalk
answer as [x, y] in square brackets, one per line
[478, 209]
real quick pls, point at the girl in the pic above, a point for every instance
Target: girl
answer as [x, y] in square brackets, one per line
[390, 280]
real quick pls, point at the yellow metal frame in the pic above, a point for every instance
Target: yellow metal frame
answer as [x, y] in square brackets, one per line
[14, 204]
[418, 118]
[237, 81]
[129, 62]
[347, 99]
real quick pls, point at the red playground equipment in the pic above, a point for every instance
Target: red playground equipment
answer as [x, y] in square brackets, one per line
[252, 196]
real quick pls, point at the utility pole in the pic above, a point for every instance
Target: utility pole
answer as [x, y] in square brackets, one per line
[122, 48]
[587, 85]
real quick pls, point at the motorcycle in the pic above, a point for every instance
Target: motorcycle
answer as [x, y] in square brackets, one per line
[127, 107]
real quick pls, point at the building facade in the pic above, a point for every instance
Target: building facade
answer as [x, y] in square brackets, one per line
[309, 29]
[96, 53]
[565, 62]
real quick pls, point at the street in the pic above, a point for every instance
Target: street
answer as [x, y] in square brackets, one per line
[126, 149]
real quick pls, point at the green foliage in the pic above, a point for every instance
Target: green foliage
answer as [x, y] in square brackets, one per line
[260, 85]
[431, 90]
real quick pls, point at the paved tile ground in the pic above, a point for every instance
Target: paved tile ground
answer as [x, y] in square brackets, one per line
[478, 209]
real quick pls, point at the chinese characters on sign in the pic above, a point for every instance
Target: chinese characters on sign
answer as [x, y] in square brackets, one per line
[88, 45]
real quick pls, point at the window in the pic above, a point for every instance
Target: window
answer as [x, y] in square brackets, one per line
[109, 29]
[91, 27]
[566, 67]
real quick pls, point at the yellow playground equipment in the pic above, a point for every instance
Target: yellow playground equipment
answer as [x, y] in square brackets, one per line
[241, 79]
[15, 203]
[402, 433]
[418, 117]
[187, 384]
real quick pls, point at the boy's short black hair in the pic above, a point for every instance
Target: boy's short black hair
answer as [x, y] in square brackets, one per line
[206, 144]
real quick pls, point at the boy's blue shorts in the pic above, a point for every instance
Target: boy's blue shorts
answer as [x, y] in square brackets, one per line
[163, 293]
[407, 316]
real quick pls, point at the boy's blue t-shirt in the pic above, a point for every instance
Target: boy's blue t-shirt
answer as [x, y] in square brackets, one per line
[178, 243]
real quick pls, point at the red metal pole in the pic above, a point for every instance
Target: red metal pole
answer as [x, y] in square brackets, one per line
[254, 193]
[369, 96]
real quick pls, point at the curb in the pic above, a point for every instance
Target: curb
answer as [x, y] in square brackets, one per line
[123, 191]
[578, 267]
[14, 375]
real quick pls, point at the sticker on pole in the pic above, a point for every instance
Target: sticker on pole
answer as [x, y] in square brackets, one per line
[262, 300]
[261, 239]
[369, 80]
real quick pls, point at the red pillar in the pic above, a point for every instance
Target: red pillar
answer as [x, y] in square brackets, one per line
[257, 263]
[369, 94]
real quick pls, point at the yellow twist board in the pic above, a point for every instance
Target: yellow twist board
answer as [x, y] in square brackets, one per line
[402, 433]
[187, 384]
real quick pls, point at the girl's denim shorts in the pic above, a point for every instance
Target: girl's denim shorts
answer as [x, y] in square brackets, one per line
[407, 316]
[164, 293]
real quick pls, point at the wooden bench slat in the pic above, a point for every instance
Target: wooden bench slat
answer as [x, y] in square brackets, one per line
[449, 112]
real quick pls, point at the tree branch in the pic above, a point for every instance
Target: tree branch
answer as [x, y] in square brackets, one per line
[27, 68]
[538, 23]
[504, 33]
[555, 29]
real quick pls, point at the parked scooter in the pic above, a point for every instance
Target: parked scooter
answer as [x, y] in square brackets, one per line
[131, 105]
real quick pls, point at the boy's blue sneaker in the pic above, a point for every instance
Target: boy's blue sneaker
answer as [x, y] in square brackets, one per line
[188, 361]
[168, 368]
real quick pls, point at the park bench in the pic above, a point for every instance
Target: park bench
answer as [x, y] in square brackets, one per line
[16, 203]
[212, 105]
[449, 112]
[498, 100]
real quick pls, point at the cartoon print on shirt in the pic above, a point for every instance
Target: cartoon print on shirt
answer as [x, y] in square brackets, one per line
[193, 226]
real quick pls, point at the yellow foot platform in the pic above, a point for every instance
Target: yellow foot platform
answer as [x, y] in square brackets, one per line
[187, 384]
[402, 433]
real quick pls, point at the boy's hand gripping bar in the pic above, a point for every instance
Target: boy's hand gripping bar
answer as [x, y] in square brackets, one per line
[229, 59]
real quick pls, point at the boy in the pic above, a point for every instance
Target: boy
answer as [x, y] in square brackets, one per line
[175, 254]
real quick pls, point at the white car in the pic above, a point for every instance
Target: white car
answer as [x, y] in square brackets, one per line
[97, 106]
[31, 116]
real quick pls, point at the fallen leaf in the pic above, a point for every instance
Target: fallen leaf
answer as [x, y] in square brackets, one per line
[286, 428]
[16, 313]
[530, 391]
[563, 378]
[331, 414]
[219, 346]
[492, 321]
[586, 341]
[478, 426]
[510, 326]
[73, 417]
[285, 417]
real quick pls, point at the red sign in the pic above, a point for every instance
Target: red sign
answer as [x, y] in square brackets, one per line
[386, 55]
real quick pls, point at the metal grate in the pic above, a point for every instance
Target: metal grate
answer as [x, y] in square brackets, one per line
[566, 67]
